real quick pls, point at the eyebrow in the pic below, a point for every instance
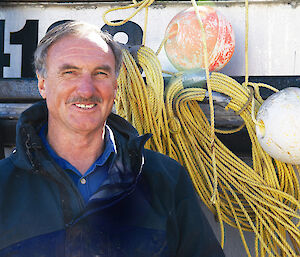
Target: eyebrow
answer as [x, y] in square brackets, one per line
[69, 66]
[105, 68]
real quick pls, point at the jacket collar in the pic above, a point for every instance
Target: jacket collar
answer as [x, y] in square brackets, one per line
[27, 139]
[32, 156]
[32, 119]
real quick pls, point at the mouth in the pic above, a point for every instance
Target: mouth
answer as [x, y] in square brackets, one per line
[85, 106]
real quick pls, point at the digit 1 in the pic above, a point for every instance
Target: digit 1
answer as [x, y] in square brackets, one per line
[28, 38]
[4, 58]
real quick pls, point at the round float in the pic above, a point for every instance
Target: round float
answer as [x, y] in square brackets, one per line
[279, 132]
[184, 46]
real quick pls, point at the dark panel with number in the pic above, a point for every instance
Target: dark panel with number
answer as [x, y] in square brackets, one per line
[28, 38]
[4, 58]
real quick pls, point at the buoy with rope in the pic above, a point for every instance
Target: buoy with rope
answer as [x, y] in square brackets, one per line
[184, 47]
[278, 125]
[263, 197]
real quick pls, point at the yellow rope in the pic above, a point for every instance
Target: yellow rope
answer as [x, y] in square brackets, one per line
[263, 197]
[138, 5]
[211, 106]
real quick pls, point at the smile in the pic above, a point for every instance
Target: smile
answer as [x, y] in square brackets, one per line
[85, 106]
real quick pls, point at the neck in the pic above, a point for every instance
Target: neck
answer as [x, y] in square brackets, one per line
[79, 149]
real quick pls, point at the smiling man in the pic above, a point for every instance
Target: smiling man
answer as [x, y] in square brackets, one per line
[80, 87]
[80, 182]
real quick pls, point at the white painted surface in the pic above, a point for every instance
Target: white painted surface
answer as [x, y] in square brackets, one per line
[274, 42]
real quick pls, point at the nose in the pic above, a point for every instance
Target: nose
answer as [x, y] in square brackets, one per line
[85, 87]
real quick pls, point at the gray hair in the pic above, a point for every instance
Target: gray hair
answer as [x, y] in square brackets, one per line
[75, 28]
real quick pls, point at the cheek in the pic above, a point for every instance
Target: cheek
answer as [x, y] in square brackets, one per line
[107, 91]
[58, 92]
[55, 98]
[51, 101]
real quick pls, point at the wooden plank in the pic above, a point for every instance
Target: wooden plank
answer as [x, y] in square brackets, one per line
[8, 134]
[27, 88]
[224, 119]
[12, 111]
[19, 90]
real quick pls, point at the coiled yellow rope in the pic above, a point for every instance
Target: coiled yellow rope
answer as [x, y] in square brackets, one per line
[263, 197]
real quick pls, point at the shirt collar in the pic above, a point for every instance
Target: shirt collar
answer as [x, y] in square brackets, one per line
[110, 148]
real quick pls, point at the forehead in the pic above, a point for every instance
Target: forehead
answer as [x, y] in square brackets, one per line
[71, 47]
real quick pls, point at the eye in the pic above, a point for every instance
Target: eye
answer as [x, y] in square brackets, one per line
[101, 74]
[68, 72]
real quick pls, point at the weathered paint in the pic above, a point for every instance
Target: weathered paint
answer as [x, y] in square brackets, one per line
[185, 47]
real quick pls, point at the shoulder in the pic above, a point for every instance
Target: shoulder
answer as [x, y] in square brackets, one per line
[8, 172]
[11, 173]
[163, 172]
[160, 163]
[160, 158]
[6, 166]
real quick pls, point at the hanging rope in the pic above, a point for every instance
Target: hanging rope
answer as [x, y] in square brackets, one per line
[211, 105]
[138, 5]
[263, 197]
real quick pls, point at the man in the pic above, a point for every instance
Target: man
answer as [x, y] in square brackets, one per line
[80, 182]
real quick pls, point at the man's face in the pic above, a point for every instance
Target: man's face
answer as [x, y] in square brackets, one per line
[80, 85]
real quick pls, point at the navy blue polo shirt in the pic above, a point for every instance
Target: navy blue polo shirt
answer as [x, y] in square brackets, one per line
[92, 179]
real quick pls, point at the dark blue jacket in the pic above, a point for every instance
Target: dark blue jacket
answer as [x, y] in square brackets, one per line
[147, 207]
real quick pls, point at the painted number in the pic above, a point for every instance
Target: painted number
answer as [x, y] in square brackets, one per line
[131, 29]
[4, 58]
[27, 37]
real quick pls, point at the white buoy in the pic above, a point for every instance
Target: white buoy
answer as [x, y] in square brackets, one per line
[279, 132]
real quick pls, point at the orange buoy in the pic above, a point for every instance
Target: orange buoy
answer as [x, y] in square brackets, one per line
[184, 47]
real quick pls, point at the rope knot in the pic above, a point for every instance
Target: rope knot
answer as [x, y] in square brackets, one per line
[174, 125]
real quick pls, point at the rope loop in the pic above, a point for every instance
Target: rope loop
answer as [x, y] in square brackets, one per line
[139, 5]
[249, 100]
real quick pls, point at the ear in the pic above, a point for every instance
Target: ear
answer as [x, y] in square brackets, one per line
[41, 85]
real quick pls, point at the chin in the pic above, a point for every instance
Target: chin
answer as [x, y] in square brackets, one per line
[91, 127]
